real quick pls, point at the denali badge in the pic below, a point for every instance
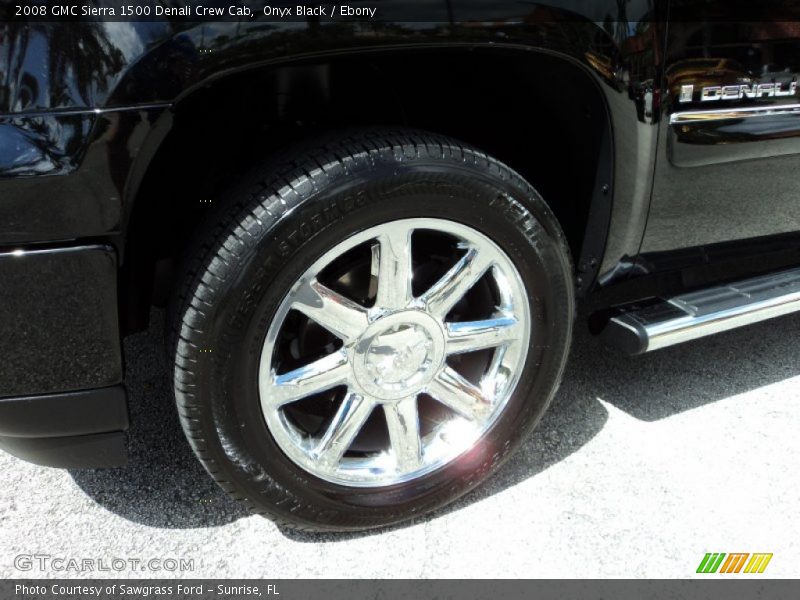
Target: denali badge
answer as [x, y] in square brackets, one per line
[737, 92]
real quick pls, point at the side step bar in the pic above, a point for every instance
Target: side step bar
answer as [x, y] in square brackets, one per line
[704, 312]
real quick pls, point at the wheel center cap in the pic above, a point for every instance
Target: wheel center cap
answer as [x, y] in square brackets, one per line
[398, 355]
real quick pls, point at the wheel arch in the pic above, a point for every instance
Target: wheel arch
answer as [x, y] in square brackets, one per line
[561, 137]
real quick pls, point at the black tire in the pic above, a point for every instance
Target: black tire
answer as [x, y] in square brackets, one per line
[285, 217]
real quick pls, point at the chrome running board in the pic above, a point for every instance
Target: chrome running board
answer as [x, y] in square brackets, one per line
[704, 312]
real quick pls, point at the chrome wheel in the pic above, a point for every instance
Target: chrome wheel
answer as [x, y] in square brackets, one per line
[394, 352]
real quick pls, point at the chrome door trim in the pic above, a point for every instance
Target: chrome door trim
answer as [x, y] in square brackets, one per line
[699, 116]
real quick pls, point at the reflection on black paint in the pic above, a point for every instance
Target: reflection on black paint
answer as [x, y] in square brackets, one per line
[55, 65]
[42, 144]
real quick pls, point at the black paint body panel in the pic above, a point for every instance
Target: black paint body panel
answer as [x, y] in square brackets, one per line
[721, 180]
[63, 176]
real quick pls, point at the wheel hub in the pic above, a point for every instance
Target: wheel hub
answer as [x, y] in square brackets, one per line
[398, 355]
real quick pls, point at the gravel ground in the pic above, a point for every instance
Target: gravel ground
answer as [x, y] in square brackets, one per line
[640, 467]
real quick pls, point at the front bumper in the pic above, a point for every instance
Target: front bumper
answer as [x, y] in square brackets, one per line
[72, 430]
[61, 399]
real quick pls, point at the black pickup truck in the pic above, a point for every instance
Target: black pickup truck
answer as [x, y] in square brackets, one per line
[372, 234]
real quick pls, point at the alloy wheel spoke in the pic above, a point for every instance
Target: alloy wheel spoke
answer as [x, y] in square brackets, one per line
[402, 420]
[458, 394]
[394, 267]
[470, 336]
[353, 412]
[446, 292]
[341, 316]
[497, 375]
[318, 376]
